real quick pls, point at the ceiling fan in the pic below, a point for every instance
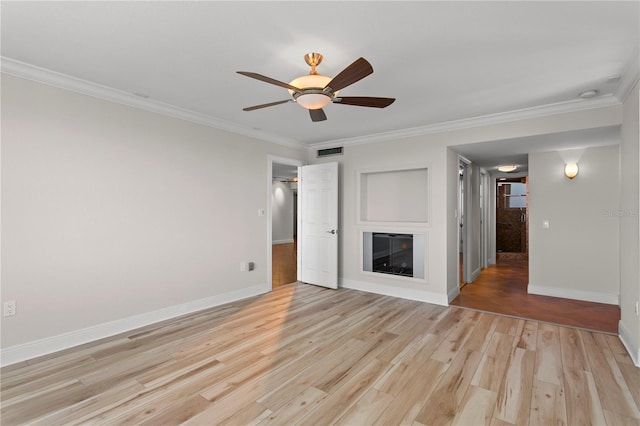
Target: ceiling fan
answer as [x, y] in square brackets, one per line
[314, 91]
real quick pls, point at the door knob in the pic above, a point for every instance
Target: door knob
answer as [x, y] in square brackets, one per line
[333, 231]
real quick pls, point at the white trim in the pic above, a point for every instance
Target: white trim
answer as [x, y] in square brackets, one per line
[626, 87]
[453, 293]
[629, 79]
[63, 81]
[567, 293]
[395, 291]
[389, 169]
[627, 341]
[276, 242]
[67, 82]
[485, 120]
[475, 274]
[18, 353]
[271, 160]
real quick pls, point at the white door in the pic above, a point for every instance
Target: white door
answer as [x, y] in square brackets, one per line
[318, 224]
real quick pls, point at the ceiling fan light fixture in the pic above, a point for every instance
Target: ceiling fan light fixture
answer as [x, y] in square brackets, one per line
[313, 100]
[314, 91]
[314, 84]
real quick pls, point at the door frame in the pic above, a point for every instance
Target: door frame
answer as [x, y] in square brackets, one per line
[271, 160]
[463, 213]
[485, 218]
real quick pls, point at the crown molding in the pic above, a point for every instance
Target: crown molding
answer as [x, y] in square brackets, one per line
[67, 82]
[64, 81]
[485, 120]
[629, 79]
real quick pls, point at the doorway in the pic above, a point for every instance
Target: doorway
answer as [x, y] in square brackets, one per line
[282, 230]
[512, 231]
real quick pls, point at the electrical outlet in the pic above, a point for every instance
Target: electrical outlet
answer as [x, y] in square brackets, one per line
[637, 308]
[9, 308]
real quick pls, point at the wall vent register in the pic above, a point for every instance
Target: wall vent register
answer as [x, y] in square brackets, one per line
[329, 151]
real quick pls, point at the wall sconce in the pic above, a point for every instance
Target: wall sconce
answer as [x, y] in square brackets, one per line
[571, 170]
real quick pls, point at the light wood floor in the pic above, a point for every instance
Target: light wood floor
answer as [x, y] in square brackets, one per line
[307, 355]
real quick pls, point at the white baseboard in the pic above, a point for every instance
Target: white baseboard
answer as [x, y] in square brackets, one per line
[453, 293]
[627, 341]
[475, 274]
[395, 291]
[23, 352]
[566, 293]
[276, 242]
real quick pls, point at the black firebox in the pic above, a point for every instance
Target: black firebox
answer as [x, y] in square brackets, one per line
[393, 253]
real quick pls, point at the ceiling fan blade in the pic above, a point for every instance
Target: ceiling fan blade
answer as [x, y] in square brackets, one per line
[267, 105]
[364, 101]
[317, 115]
[268, 80]
[354, 72]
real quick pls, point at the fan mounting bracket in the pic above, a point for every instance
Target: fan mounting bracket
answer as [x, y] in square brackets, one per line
[313, 59]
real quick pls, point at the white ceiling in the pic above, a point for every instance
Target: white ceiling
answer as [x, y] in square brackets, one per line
[443, 61]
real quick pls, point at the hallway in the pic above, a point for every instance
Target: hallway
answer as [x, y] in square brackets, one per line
[502, 289]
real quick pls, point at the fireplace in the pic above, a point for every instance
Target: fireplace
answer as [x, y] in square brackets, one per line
[394, 254]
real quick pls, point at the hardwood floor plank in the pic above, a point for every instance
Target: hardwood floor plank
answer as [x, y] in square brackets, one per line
[146, 403]
[293, 411]
[368, 408]
[397, 377]
[398, 349]
[481, 336]
[339, 402]
[528, 336]
[333, 379]
[456, 338]
[549, 355]
[248, 372]
[582, 399]
[617, 348]
[51, 399]
[406, 406]
[78, 413]
[572, 347]
[618, 419]
[175, 412]
[514, 396]
[445, 400]
[631, 376]
[611, 385]
[476, 407]
[417, 354]
[547, 404]
[507, 325]
[315, 372]
[491, 369]
[250, 415]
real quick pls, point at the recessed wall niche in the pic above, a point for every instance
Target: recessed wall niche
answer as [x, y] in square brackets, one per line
[397, 195]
